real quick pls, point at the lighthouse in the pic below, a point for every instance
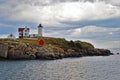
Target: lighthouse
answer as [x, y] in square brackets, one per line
[40, 30]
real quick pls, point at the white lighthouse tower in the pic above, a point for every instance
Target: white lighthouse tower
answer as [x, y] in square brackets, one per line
[40, 30]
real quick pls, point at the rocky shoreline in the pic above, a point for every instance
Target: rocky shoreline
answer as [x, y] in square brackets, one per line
[19, 51]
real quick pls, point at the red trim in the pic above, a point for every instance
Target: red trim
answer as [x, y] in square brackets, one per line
[21, 29]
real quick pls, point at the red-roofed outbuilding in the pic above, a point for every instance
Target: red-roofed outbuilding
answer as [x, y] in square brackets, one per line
[23, 32]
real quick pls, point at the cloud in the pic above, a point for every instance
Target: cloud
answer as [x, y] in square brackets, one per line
[104, 43]
[114, 2]
[3, 35]
[53, 13]
[95, 32]
[5, 25]
[33, 31]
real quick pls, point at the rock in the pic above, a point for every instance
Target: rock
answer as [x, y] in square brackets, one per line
[18, 50]
[32, 56]
[49, 53]
[70, 51]
[3, 50]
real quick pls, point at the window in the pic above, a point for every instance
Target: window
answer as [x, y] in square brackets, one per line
[25, 30]
[19, 33]
[25, 33]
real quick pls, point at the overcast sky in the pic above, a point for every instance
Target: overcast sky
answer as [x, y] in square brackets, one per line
[95, 21]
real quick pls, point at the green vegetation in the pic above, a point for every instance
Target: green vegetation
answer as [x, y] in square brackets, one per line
[84, 45]
[60, 42]
[54, 42]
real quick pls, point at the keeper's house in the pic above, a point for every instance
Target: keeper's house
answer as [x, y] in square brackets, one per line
[23, 32]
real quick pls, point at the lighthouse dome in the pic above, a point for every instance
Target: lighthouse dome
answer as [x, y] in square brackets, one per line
[40, 25]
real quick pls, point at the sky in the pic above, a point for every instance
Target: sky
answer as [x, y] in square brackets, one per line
[94, 21]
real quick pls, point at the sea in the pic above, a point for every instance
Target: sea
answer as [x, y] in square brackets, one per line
[83, 68]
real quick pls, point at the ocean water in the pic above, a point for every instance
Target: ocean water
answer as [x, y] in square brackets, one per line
[85, 68]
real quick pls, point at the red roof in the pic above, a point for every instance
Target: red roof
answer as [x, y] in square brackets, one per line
[21, 29]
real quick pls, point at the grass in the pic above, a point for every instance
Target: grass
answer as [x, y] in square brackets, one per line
[55, 42]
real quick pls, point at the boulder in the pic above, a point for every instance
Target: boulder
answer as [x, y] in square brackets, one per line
[3, 50]
[20, 52]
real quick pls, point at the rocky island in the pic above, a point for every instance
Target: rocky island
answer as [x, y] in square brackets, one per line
[54, 48]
